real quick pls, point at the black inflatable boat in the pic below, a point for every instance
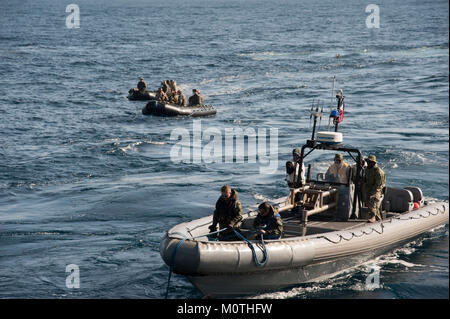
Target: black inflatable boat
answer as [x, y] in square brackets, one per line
[135, 95]
[166, 109]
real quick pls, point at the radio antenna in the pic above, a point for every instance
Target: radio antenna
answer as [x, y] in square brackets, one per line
[331, 102]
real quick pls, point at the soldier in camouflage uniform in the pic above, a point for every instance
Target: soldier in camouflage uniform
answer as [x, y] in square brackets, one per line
[166, 88]
[268, 222]
[196, 98]
[141, 86]
[228, 214]
[181, 98]
[173, 86]
[374, 181]
[161, 96]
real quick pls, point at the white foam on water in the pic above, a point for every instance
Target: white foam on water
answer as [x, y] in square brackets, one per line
[294, 292]
[154, 142]
[364, 287]
[134, 146]
[261, 197]
[411, 158]
[130, 147]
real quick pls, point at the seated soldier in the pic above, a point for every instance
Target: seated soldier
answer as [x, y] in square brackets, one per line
[141, 86]
[173, 86]
[165, 87]
[196, 98]
[338, 171]
[161, 96]
[173, 98]
[228, 214]
[268, 222]
[181, 98]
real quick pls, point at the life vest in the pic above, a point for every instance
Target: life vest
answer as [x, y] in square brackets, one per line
[292, 171]
[339, 173]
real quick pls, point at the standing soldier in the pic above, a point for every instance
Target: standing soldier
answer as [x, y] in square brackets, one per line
[374, 181]
[338, 171]
[228, 214]
[293, 171]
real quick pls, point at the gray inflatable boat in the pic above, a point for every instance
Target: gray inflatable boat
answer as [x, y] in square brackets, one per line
[226, 269]
[166, 109]
[325, 232]
[135, 95]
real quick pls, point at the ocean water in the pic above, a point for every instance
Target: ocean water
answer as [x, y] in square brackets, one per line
[86, 179]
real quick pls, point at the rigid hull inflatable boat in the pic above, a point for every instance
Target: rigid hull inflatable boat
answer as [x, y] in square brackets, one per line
[135, 95]
[166, 109]
[225, 269]
[325, 231]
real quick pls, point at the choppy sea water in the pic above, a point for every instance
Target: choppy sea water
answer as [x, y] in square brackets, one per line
[86, 179]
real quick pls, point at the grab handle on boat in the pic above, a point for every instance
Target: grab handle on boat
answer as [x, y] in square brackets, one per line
[249, 243]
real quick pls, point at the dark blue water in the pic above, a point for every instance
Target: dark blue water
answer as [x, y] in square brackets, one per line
[86, 179]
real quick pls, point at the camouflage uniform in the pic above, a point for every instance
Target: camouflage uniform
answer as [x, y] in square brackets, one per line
[168, 91]
[166, 88]
[228, 214]
[142, 86]
[374, 181]
[195, 100]
[181, 99]
[174, 99]
[271, 223]
[173, 86]
[161, 97]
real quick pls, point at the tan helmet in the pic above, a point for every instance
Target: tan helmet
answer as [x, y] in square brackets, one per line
[371, 158]
[338, 156]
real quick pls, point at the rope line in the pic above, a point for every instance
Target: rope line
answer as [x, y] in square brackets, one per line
[258, 263]
[363, 232]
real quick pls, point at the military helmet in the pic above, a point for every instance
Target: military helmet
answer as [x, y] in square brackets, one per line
[338, 156]
[371, 158]
[295, 151]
